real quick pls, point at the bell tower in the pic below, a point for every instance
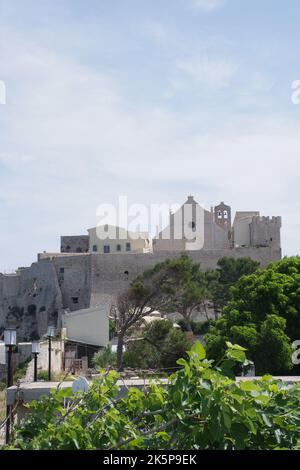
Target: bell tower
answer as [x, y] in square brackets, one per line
[223, 216]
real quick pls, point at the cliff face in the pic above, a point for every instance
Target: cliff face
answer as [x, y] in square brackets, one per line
[35, 298]
[30, 301]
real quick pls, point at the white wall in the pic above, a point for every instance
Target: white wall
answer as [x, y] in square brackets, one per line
[89, 326]
[2, 353]
[56, 356]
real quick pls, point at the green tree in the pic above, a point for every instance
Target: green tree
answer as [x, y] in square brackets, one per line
[142, 297]
[183, 286]
[263, 315]
[229, 271]
[159, 347]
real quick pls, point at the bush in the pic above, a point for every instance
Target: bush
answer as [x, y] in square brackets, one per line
[202, 408]
[42, 375]
[198, 328]
[105, 358]
[2, 386]
[161, 347]
[21, 370]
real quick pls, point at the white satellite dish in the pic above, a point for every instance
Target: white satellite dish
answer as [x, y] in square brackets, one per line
[80, 385]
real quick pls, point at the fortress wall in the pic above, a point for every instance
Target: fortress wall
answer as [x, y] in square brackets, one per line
[36, 304]
[111, 274]
[265, 231]
[73, 273]
[36, 298]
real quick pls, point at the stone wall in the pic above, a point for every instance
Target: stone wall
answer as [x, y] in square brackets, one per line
[38, 295]
[74, 244]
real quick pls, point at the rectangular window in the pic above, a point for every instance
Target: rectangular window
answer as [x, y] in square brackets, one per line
[75, 300]
[95, 248]
[119, 248]
[128, 246]
[62, 270]
[106, 249]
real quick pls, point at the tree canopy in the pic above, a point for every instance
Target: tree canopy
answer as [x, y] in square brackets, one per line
[262, 315]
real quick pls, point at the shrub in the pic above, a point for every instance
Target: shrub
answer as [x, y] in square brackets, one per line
[105, 358]
[161, 346]
[198, 328]
[42, 375]
[201, 408]
[2, 386]
[21, 370]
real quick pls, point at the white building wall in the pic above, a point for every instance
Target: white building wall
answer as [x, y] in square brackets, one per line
[89, 326]
[2, 353]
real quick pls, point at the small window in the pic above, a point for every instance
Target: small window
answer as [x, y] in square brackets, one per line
[119, 248]
[219, 214]
[225, 214]
[128, 246]
[106, 249]
[95, 248]
[62, 270]
[75, 300]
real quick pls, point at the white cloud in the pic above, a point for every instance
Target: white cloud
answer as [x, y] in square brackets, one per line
[208, 5]
[202, 71]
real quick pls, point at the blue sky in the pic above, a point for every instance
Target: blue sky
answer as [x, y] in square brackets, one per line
[154, 99]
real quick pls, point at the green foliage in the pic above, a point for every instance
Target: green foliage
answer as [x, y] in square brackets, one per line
[112, 328]
[2, 386]
[161, 347]
[105, 358]
[42, 375]
[230, 270]
[263, 315]
[21, 370]
[183, 286]
[198, 328]
[201, 408]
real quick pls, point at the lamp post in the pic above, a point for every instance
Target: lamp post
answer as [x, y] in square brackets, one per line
[35, 349]
[10, 340]
[50, 334]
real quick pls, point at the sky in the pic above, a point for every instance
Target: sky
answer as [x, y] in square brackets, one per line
[149, 99]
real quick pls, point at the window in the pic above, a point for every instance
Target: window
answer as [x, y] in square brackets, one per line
[194, 226]
[225, 214]
[219, 214]
[95, 248]
[62, 270]
[75, 300]
[106, 249]
[128, 246]
[119, 248]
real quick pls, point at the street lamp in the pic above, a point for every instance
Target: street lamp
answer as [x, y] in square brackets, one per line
[50, 334]
[35, 349]
[10, 340]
